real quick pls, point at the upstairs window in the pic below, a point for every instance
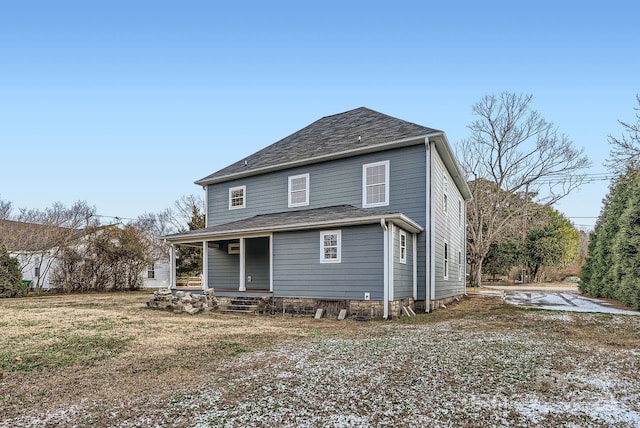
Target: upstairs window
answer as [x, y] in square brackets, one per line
[299, 190]
[403, 247]
[375, 184]
[330, 246]
[237, 197]
[445, 197]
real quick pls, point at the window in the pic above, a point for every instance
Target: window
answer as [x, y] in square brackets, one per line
[330, 243]
[299, 190]
[459, 212]
[446, 260]
[459, 265]
[445, 197]
[237, 197]
[403, 247]
[151, 273]
[375, 184]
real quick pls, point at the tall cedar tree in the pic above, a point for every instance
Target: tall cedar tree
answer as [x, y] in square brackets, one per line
[612, 267]
[189, 261]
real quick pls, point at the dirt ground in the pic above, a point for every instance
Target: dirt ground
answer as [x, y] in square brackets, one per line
[107, 360]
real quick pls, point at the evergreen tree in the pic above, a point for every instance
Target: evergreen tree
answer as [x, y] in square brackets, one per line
[10, 276]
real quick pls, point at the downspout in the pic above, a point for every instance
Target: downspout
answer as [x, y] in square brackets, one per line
[430, 244]
[385, 264]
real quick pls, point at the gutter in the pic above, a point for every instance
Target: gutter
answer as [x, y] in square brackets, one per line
[402, 220]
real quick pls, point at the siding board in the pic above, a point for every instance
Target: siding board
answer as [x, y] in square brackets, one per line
[360, 271]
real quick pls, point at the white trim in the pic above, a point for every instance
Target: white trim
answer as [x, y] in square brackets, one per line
[338, 234]
[172, 267]
[386, 184]
[306, 201]
[243, 285]
[460, 212]
[460, 261]
[445, 259]
[385, 269]
[205, 265]
[402, 234]
[400, 219]
[206, 206]
[391, 262]
[244, 197]
[431, 287]
[414, 259]
[271, 262]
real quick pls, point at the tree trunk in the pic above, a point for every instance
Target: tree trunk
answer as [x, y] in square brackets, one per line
[475, 279]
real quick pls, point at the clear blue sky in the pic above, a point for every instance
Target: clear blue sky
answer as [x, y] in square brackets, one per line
[125, 103]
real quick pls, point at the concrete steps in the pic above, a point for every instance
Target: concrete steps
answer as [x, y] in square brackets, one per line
[240, 305]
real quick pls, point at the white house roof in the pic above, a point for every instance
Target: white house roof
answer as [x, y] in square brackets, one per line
[336, 216]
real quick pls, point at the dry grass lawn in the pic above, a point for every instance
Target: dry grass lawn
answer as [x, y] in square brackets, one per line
[107, 360]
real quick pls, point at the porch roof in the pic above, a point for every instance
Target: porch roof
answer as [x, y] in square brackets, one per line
[335, 216]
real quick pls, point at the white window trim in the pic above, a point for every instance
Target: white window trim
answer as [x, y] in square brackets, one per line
[299, 204]
[244, 197]
[323, 233]
[445, 259]
[386, 182]
[403, 260]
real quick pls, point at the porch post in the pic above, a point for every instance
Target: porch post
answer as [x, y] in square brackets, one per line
[271, 262]
[242, 267]
[172, 266]
[414, 257]
[205, 265]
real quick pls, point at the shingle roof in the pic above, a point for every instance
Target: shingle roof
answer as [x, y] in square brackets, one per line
[348, 131]
[335, 216]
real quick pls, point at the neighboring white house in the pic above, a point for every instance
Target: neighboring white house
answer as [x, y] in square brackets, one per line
[38, 264]
[157, 274]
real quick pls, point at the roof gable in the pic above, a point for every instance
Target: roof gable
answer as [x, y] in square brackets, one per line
[344, 132]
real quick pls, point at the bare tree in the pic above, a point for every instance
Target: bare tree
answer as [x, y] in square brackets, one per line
[5, 209]
[625, 151]
[513, 156]
[38, 236]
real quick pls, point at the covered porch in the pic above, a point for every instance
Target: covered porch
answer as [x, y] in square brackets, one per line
[233, 265]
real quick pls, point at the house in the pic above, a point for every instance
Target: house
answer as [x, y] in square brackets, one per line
[39, 249]
[358, 207]
[157, 274]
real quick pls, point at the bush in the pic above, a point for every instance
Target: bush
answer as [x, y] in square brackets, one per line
[10, 276]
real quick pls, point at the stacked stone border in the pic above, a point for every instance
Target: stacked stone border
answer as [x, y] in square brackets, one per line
[182, 301]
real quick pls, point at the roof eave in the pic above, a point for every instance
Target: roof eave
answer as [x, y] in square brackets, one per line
[444, 149]
[399, 219]
[339, 155]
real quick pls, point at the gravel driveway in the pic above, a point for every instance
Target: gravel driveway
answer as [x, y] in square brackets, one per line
[558, 298]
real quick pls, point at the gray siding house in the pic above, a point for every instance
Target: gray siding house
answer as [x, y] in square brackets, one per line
[358, 207]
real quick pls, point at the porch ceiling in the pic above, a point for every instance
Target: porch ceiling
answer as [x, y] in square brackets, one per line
[336, 216]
